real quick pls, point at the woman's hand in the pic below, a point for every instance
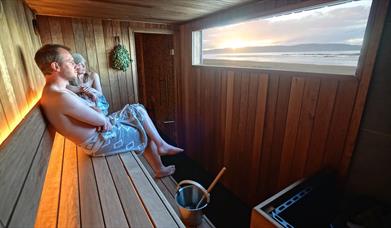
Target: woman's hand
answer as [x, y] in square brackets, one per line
[89, 92]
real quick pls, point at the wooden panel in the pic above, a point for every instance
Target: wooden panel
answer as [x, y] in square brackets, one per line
[149, 193]
[27, 206]
[170, 11]
[49, 204]
[20, 79]
[90, 206]
[68, 212]
[111, 205]
[16, 157]
[132, 204]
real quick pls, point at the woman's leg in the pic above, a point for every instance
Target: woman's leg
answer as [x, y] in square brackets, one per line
[153, 158]
[163, 148]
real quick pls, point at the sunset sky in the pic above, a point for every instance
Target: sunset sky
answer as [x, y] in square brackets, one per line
[343, 23]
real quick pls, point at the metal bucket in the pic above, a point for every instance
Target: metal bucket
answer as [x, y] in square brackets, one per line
[187, 198]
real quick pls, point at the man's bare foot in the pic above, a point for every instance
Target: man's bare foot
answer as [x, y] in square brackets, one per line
[166, 171]
[167, 149]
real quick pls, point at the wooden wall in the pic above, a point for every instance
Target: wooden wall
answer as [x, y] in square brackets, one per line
[269, 128]
[20, 79]
[94, 39]
[24, 159]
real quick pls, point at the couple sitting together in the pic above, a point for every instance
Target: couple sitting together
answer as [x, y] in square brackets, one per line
[73, 103]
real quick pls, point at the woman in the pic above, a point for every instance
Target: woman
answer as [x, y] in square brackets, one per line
[87, 85]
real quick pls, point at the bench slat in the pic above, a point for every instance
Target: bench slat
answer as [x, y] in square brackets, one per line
[168, 187]
[48, 207]
[145, 188]
[69, 214]
[111, 205]
[16, 154]
[132, 205]
[90, 207]
[26, 209]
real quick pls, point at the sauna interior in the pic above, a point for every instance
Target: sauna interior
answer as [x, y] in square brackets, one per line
[275, 125]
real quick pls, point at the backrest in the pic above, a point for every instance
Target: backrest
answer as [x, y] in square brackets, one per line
[24, 157]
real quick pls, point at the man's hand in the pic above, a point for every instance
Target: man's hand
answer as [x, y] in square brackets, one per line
[106, 127]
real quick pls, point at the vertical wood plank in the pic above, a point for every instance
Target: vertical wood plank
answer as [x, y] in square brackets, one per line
[153, 203]
[305, 129]
[259, 126]
[324, 110]
[49, 204]
[78, 34]
[130, 97]
[18, 156]
[279, 125]
[267, 141]
[44, 29]
[111, 206]
[69, 208]
[102, 61]
[27, 206]
[340, 122]
[132, 204]
[292, 122]
[55, 30]
[67, 31]
[121, 76]
[90, 46]
[90, 204]
[112, 76]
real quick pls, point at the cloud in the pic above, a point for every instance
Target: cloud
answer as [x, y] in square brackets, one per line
[343, 23]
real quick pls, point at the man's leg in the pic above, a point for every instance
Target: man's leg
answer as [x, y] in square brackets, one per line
[163, 148]
[153, 158]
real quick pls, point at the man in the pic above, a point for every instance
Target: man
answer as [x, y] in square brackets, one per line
[120, 132]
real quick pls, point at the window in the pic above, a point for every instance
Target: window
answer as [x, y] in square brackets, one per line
[325, 39]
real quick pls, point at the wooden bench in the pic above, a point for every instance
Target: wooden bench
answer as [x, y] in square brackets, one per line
[47, 181]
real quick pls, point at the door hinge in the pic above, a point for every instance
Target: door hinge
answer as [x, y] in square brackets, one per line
[172, 52]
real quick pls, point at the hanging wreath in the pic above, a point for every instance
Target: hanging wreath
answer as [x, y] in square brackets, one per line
[120, 58]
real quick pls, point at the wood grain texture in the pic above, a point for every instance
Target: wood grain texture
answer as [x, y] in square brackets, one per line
[90, 204]
[49, 204]
[134, 210]
[111, 205]
[149, 194]
[16, 156]
[27, 206]
[173, 11]
[20, 79]
[69, 212]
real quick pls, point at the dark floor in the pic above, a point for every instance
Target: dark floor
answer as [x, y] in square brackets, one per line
[224, 209]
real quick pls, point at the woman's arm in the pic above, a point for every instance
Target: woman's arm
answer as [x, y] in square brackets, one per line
[96, 83]
[75, 89]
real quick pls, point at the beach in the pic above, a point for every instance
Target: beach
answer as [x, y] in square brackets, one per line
[309, 68]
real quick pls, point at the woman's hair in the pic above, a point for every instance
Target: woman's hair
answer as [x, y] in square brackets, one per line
[78, 58]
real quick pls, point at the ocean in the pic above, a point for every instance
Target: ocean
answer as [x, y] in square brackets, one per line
[332, 58]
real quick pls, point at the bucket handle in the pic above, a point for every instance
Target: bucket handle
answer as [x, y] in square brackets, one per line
[190, 182]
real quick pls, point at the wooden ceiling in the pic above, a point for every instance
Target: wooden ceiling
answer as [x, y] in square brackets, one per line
[162, 11]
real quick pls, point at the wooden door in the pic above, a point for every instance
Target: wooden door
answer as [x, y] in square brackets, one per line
[156, 82]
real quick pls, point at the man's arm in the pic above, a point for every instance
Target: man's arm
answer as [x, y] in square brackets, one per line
[73, 107]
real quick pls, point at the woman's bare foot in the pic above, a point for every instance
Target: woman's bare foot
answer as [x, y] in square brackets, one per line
[167, 149]
[165, 171]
